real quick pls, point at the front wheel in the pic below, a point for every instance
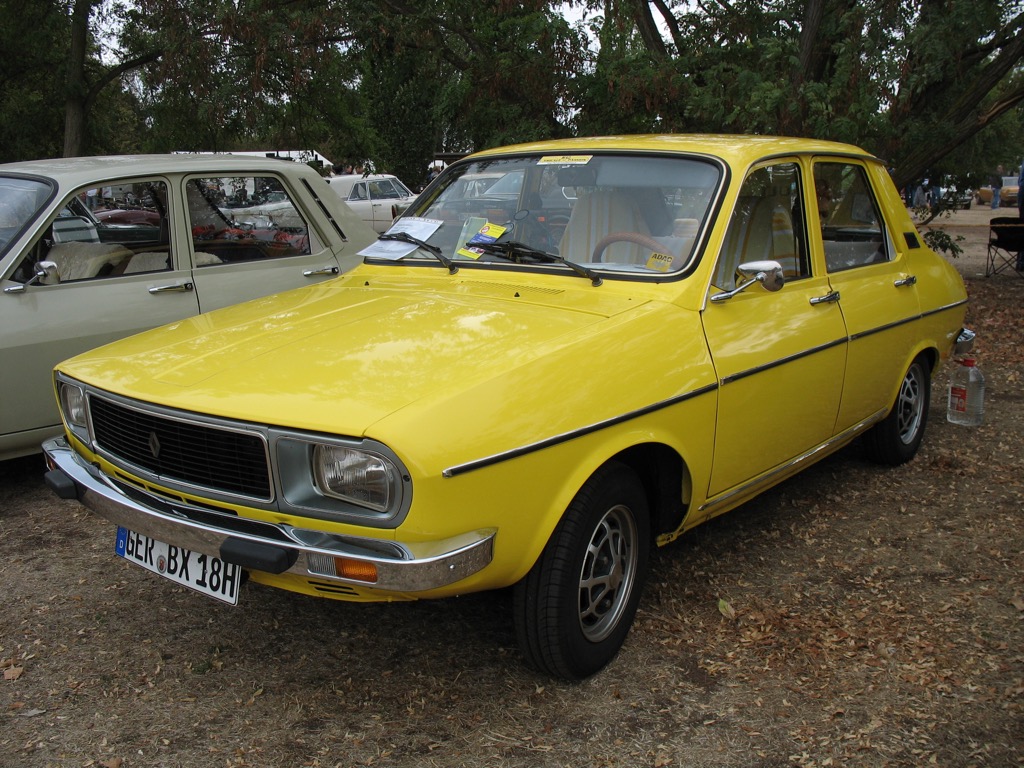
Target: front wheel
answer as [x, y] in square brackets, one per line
[896, 438]
[576, 605]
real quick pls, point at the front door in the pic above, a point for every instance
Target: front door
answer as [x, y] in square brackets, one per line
[113, 281]
[779, 357]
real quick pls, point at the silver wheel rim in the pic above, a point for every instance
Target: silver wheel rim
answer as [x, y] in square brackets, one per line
[608, 573]
[910, 406]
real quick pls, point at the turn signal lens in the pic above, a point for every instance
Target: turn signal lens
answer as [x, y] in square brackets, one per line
[357, 570]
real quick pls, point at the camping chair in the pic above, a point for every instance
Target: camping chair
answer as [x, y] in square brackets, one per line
[1005, 246]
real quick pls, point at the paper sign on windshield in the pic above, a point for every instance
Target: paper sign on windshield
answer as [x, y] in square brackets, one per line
[419, 228]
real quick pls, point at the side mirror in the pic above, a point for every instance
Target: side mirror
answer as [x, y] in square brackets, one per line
[47, 273]
[768, 273]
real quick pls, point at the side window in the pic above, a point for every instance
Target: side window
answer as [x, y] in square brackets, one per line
[851, 226]
[104, 232]
[359, 192]
[243, 218]
[379, 190]
[767, 225]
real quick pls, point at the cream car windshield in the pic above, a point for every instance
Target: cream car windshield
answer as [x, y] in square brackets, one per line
[21, 200]
[629, 214]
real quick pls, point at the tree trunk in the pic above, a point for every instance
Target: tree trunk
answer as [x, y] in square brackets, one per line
[75, 87]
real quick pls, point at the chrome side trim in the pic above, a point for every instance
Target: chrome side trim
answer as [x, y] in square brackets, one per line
[789, 467]
[400, 567]
[912, 319]
[944, 308]
[886, 327]
[783, 361]
[565, 437]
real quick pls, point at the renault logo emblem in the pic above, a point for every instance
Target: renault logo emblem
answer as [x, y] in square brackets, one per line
[154, 445]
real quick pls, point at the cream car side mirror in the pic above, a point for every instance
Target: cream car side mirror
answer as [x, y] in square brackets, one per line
[47, 273]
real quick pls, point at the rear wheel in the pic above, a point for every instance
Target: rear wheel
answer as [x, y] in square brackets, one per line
[575, 607]
[896, 438]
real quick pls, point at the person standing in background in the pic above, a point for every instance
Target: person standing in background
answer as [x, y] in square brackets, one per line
[1020, 213]
[1020, 197]
[997, 186]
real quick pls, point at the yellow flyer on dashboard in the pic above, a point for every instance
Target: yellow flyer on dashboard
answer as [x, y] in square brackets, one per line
[487, 233]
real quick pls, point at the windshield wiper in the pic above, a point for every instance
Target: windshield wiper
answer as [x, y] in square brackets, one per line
[405, 237]
[518, 252]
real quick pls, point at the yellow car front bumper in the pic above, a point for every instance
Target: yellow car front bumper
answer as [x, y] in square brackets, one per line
[375, 564]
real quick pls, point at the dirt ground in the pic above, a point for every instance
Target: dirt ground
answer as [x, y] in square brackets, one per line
[879, 621]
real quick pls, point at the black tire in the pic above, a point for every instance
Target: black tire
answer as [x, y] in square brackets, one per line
[896, 438]
[576, 605]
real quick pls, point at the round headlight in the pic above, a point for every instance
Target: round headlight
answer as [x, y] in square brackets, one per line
[355, 476]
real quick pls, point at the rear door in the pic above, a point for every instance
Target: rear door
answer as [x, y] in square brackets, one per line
[869, 269]
[251, 236]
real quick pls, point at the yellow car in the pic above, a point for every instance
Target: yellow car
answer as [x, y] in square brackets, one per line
[1007, 194]
[528, 389]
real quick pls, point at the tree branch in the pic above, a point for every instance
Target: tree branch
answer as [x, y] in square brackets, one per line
[115, 73]
[918, 163]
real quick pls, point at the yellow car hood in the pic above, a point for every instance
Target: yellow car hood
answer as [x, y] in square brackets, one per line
[342, 355]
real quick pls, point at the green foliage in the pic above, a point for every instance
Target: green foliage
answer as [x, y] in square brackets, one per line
[398, 93]
[915, 82]
[941, 241]
[457, 75]
[32, 118]
[931, 87]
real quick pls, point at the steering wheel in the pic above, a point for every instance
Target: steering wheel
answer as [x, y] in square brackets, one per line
[637, 238]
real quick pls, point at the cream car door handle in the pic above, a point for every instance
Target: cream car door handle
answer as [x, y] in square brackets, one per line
[172, 288]
[908, 280]
[321, 271]
[828, 298]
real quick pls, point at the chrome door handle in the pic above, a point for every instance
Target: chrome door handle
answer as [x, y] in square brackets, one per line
[908, 280]
[321, 271]
[828, 298]
[172, 288]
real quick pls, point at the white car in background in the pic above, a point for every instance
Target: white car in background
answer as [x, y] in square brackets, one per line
[196, 232]
[377, 198]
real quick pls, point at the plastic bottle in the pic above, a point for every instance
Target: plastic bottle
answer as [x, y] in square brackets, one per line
[966, 403]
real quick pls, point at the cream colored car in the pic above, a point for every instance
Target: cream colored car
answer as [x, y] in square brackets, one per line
[217, 230]
[377, 198]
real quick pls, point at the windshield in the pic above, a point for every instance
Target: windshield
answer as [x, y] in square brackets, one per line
[629, 214]
[21, 200]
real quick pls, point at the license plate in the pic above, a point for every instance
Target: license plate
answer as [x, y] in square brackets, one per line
[203, 573]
